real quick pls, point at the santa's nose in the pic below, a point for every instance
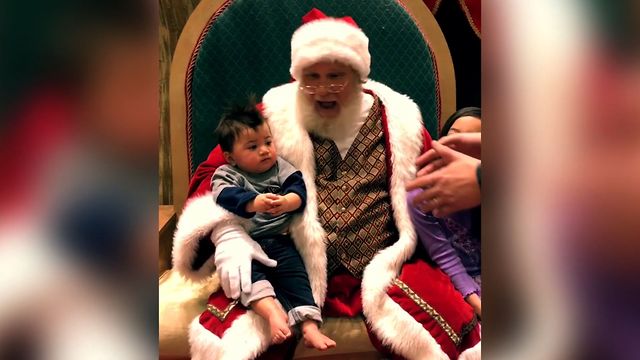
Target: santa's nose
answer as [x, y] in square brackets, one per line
[322, 90]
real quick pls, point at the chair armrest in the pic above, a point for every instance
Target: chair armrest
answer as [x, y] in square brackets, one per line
[166, 227]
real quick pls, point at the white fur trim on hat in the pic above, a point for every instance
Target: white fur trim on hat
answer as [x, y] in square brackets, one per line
[329, 39]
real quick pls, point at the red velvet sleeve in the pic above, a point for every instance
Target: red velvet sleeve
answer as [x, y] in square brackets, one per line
[426, 141]
[201, 180]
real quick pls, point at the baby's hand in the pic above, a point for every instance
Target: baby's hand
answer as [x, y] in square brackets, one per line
[262, 203]
[280, 206]
[286, 203]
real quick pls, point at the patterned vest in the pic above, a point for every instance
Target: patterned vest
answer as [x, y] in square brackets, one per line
[354, 205]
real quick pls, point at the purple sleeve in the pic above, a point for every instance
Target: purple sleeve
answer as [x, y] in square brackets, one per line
[433, 239]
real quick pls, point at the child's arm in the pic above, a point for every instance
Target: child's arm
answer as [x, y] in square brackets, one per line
[295, 197]
[291, 181]
[434, 240]
[229, 192]
[295, 192]
[474, 301]
[442, 252]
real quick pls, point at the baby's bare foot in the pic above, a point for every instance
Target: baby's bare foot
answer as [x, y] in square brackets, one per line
[314, 338]
[279, 329]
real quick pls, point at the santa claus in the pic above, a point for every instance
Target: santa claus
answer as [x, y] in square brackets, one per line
[355, 142]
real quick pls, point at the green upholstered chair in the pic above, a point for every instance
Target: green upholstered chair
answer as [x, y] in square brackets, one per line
[230, 49]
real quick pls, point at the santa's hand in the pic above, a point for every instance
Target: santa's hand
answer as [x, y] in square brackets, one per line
[234, 252]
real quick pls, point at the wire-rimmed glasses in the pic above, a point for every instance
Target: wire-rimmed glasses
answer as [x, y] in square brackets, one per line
[331, 88]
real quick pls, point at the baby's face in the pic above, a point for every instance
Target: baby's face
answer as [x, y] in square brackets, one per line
[254, 151]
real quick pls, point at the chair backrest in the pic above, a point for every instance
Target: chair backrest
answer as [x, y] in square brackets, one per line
[232, 48]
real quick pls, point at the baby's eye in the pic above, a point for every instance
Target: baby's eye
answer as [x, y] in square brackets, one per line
[268, 142]
[253, 147]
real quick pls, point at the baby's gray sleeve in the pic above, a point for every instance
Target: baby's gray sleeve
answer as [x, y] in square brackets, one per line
[285, 169]
[224, 177]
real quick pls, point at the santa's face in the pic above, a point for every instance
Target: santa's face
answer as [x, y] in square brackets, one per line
[329, 86]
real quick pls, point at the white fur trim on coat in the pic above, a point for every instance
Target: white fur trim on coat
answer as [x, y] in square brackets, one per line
[235, 343]
[392, 325]
[294, 145]
[204, 344]
[248, 337]
[473, 353]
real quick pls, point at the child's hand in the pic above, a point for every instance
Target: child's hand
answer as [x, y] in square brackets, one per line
[262, 203]
[284, 204]
[474, 301]
[280, 206]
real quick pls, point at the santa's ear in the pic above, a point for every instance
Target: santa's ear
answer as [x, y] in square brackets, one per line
[229, 158]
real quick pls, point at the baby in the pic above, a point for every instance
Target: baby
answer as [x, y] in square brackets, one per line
[258, 184]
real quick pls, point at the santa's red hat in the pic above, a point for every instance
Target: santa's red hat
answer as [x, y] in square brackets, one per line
[322, 38]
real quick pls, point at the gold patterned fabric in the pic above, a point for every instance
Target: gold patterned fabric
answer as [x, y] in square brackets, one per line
[354, 205]
[222, 314]
[455, 338]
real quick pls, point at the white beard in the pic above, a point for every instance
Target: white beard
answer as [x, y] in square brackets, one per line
[342, 126]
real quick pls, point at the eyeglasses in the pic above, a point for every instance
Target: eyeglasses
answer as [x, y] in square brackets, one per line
[331, 88]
